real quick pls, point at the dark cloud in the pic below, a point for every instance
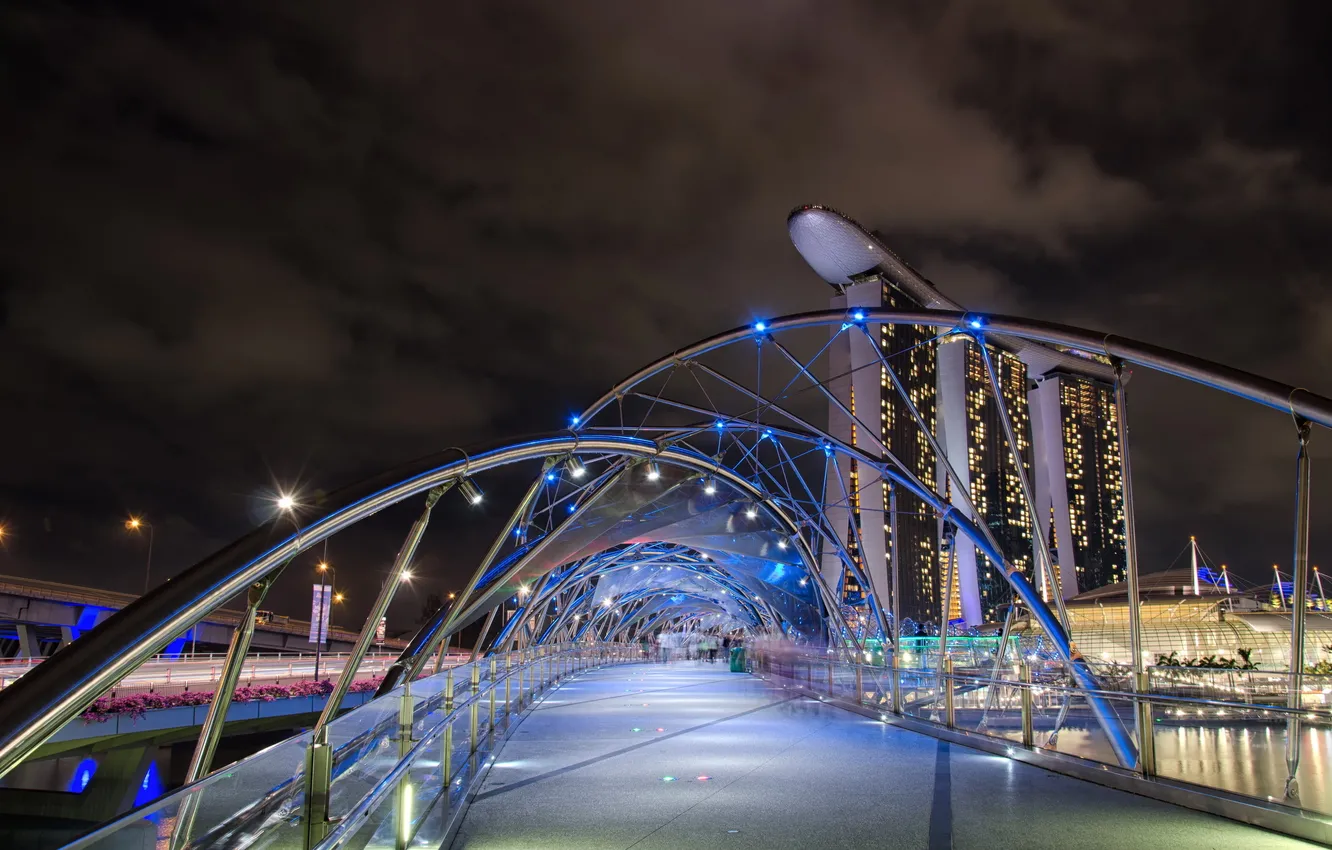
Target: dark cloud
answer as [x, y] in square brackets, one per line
[243, 242]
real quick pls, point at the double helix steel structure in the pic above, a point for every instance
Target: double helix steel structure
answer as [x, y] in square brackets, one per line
[702, 491]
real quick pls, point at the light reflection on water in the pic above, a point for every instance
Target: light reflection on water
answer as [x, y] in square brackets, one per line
[1244, 758]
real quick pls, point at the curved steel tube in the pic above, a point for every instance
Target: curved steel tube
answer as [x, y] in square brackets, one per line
[439, 627]
[41, 702]
[1273, 394]
[37, 705]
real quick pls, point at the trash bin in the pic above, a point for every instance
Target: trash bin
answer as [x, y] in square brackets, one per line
[737, 659]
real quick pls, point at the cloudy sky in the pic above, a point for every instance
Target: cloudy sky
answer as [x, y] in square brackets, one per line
[244, 243]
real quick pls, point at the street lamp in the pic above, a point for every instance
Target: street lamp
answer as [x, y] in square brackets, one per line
[324, 569]
[137, 524]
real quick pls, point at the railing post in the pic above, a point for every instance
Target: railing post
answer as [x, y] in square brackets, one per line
[1028, 733]
[1146, 729]
[860, 685]
[474, 713]
[830, 678]
[446, 758]
[522, 673]
[895, 685]
[1299, 595]
[508, 684]
[949, 716]
[448, 691]
[405, 720]
[494, 666]
[318, 780]
[403, 794]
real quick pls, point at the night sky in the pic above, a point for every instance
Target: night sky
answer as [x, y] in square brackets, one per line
[245, 244]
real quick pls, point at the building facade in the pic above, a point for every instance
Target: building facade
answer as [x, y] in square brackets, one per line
[1081, 477]
[1061, 404]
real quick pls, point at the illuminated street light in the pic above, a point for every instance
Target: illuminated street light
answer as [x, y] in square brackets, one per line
[407, 575]
[339, 597]
[285, 502]
[470, 491]
[137, 524]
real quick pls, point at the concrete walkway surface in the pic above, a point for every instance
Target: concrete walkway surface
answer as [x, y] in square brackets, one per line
[687, 755]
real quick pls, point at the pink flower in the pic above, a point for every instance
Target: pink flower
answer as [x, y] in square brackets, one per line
[104, 708]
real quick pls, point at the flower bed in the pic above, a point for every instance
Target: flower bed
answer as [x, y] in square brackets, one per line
[104, 708]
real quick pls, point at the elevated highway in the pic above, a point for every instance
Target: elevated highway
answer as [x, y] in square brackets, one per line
[38, 617]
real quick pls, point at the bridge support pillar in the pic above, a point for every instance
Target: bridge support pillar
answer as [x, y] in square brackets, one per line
[28, 646]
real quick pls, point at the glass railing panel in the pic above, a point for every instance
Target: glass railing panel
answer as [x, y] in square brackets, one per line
[922, 697]
[1243, 751]
[1067, 725]
[264, 788]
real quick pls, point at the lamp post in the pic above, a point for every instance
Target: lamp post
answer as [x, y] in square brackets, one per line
[324, 569]
[137, 524]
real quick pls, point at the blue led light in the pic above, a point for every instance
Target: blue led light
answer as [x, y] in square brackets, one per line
[859, 315]
[550, 476]
[574, 420]
[571, 508]
[720, 424]
[760, 326]
[83, 774]
[151, 787]
[975, 322]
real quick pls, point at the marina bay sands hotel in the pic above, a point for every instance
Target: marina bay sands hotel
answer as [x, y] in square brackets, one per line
[1062, 408]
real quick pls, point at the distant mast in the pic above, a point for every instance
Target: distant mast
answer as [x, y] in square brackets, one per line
[1193, 558]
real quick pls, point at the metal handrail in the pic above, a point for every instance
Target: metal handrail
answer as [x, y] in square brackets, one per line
[351, 820]
[347, 751]
[1153, 697]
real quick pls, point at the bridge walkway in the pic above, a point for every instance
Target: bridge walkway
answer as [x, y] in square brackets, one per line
[652, 757]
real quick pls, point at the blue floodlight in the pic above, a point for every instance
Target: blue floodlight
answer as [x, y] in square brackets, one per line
[721, 424]
[859, 315]
[760, 326]
[574, 420]
[550, 476]
[975, 322]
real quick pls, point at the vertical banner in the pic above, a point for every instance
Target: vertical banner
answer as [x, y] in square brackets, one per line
[381, 630]
[319, 609]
